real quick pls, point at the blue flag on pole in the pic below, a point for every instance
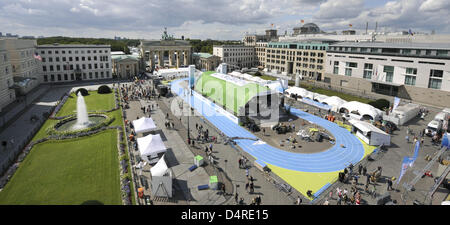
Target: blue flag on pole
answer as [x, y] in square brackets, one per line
[445, 141]
[407, 162]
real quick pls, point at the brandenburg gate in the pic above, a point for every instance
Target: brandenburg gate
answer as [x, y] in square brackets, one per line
[178, 51]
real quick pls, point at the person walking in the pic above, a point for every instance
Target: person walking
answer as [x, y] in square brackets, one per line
[360, 167]
[246, 186]
[246, 172]
[299, 200]
[252, 187]
[389, 185]
[364, 170]
[236, 198]
[240, 163]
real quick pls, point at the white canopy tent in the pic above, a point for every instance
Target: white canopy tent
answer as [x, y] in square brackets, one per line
[361, 110]
[161, 175]
[150, 146]
[143, 125]
[309, 95]
[320, 97]
[160, 169]
[335, 102]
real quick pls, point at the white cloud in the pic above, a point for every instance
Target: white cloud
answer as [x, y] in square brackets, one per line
[216, 19]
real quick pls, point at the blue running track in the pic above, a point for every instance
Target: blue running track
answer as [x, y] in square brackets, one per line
[334, 159]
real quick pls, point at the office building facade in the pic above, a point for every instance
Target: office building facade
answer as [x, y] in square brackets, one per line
[415, 71]
[67, 63]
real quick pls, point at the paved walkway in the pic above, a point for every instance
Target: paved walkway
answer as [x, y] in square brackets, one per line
[178, 158]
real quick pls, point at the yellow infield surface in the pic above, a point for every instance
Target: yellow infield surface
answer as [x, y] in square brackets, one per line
[304, 181]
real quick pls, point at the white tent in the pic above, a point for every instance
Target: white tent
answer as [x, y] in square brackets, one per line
[361, 110]
[150, 145]
[309, 95]
[370, 134]
[320, 97]
[161, 183]
[143, 125]
[160, 169]
[335, 102]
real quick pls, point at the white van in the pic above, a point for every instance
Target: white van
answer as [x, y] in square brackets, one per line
[433, 127]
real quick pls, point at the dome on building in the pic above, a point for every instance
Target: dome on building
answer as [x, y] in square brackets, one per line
[309, 28]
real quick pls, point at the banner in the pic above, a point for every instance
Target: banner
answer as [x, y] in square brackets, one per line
[396, 102]
[191, 76]
[407, 162]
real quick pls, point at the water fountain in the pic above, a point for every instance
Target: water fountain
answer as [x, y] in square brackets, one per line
[83, 119]
[82, 114]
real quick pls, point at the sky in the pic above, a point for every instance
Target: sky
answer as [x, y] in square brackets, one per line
[215, 19]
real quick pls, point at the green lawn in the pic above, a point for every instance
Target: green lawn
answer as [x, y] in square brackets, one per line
[68, 172]
[227, 94]
[94, 102]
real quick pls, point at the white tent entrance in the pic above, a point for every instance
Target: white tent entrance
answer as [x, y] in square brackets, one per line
[161, 176]
[144, 125]
[150, 147]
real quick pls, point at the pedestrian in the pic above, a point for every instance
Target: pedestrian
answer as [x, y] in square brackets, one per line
[264, 131]
[360, 167]
[236, 197]
[368, 179]
[331, 194]
[389, 183]
[258, 202]
[364, 170]
[251, 179]
[240, 163]
[252, 187]
[246, 186]
[246, 172]
[299, 200]
[210, 146]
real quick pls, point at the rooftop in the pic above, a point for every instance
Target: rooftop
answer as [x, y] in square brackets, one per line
[56, 45]
[440, 46]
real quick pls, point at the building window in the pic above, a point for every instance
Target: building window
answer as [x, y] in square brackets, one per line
[45, 78]
[368, 70]
[59, 77]
[52, 77]
[72, 77]
[65, 77]
[348, 72]
[389, 70]
[435, 79]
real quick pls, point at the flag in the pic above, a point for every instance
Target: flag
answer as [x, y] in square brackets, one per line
[407, 162]
[38, 57]
[445, 141]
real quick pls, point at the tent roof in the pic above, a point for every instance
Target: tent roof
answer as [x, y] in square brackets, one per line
[334, 101]
[150, 145]
[363, 109]
[143, 124]
[160, 168]
[366, 127]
